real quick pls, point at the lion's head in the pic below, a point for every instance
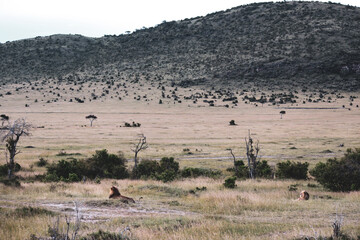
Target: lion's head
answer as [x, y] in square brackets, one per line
[304, 195]
[114, 192]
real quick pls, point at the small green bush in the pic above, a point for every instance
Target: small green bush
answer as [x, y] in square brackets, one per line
[101, 164]
[340, 175]
[4, 169]
[292, 170]
[167, 175]
[41, 163]
[147, 169]
[105, 165]
[62, 170]
[263, 170]
[197, 172]
[230, 182]
[169, 164]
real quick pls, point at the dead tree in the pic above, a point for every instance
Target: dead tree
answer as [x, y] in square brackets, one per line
[91, 118]
[140, 145]
[251, 154]
[11, 135]
[234, 158]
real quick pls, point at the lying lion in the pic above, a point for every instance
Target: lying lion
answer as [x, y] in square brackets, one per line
[114, 193]
[304, 195]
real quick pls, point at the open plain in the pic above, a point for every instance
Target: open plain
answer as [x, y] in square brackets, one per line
[196, 135]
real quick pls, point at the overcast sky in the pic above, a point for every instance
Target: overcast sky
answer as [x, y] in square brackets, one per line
[20, 19]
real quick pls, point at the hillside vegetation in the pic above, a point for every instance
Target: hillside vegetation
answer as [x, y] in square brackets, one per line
[269, 45]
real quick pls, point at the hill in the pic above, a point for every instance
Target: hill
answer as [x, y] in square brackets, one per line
[268, 45]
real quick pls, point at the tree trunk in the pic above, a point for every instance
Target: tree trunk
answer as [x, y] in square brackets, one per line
[11, 147]
[135, 160]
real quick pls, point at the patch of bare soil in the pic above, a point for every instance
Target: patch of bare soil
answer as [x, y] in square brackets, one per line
[103, 210]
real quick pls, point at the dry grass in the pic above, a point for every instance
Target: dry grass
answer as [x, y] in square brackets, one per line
[263, 209]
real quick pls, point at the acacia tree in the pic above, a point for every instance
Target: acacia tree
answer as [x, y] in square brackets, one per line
[11, 135]
[282, 113]
[251, 154]
[141, 144]
[91, 118]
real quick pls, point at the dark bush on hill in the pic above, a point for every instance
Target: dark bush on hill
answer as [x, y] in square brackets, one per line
[340, 175]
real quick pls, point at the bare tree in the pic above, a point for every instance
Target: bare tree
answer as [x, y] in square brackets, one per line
[234, 158]
[140, 145]
[251, 154]
[91, 118]
[11, 135]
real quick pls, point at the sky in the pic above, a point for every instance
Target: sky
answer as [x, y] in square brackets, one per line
[21, 19]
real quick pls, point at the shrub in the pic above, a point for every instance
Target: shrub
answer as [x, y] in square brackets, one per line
[340, 175]
[197, 172]
[242, 170]
[292, 170]
[4, 169]
[146, 169]
[169, 164]
[101, 164]
[62, 170]
[230, 182]
[105, 165]
[41, 163]
[263, 170]
[167, 175]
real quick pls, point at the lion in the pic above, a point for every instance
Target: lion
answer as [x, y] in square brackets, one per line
[114, 193]
[304, 195]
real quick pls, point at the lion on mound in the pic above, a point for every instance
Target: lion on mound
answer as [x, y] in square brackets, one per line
[304, 195]
[114, 193]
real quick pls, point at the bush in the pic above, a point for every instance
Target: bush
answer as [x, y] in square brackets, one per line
[197, 172]
[41, 163]
[167, 175]
[263, 170]
[230, 182]
[105, 165]
[169, 164]
[4, 169]
[292, 170]
[242, 170]
[101, 164]
[340, 175]
[62, 170]
[146, 169]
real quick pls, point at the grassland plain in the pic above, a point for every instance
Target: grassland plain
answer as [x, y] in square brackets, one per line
[261, 209]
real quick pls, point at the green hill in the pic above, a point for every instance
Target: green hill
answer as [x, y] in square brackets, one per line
[268, 45]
